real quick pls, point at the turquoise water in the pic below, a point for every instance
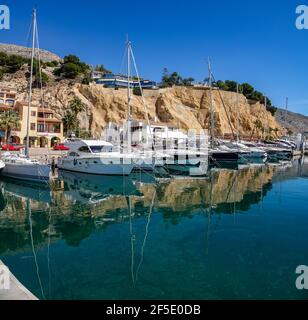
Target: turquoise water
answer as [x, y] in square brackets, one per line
[237, 234]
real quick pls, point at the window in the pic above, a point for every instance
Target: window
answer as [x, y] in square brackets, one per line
[159, 130]
[98, 149]
[41, 127]
[84, 149]
[33, 113]
[32, 126]
[73, 154]
[56, 128]
[10, 102]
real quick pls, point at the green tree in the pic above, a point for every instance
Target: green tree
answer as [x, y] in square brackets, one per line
[3, 59]
[69, 121]
[77, 106]
[188, 81]
[14, 63]
[70, 70]
[9, 120]
[247, 89]
[37, 81]
[101, 68]
[51, 64]
[71, 58]
[72, 67]
[170, 80]
[230, 85]
[70, 118]
[86, 80]
[137, 91]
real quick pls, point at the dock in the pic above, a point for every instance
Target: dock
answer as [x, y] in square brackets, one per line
[16, 290]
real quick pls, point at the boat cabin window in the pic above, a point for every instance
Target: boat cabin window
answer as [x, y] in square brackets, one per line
[84, 149]
[98, 149]
[159, 130]
[73, 154]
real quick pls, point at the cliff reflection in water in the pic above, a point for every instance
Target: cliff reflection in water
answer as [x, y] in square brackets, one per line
[77, 205]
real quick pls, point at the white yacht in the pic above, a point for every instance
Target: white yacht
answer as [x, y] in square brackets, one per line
[249, 149]
[97, 157]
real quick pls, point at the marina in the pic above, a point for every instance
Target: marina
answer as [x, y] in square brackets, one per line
[159, 185]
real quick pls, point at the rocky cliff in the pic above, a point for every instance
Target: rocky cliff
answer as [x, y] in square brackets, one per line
[294, 121]
[25, 52]
[183, 107]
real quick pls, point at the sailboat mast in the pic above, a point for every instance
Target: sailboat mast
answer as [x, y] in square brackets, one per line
[211, 105]
[30, 84]
[265, 118]
[129, 112]
[237, 113]
[129, 115]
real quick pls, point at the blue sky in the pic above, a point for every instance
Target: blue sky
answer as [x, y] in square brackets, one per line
[248, 41]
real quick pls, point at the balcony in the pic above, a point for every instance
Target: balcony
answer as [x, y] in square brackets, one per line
[46, 128]
[49, 120]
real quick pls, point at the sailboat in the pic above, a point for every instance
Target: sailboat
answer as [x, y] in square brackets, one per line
[21, 166]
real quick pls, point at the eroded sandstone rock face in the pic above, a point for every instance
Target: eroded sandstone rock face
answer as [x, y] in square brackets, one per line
[183, 107]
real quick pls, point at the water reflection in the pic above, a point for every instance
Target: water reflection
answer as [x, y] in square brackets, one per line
[80, 204]
[77, 206]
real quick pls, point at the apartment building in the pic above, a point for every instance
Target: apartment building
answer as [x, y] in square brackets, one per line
[45, 128]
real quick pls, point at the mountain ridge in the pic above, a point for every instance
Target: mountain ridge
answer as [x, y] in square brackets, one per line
[25, 52]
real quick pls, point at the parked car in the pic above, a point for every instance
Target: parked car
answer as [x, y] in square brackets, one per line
[12, 147]
[60, 147]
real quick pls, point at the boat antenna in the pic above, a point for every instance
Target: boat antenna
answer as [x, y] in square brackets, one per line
[30, 83]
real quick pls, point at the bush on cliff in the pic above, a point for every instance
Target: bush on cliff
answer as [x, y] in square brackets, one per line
[72, 67]
[174, 79]
[247, 90]
[11, 63]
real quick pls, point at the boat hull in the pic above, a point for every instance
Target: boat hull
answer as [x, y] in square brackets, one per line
[33, 172]
[95, 166]
[224, 156]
